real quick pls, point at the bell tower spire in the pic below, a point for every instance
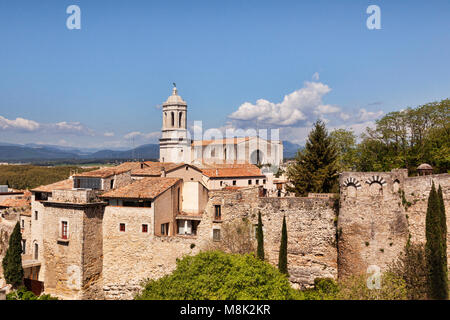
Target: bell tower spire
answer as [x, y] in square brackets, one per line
[173, 145]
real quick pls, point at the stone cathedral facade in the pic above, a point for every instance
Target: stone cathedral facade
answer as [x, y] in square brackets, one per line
[176, 145]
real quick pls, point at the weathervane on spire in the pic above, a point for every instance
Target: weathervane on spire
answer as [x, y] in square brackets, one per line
[174, 84]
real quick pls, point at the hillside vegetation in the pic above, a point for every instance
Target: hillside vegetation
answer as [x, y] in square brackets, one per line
[29, 176]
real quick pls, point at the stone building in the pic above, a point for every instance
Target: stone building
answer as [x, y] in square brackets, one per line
[99, 235]
[177, 146]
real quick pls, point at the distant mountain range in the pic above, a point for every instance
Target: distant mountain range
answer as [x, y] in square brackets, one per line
[37, 153]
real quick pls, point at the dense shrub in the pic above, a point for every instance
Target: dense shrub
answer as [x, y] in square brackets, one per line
[215, 275]
[23, 294]
[393, 287]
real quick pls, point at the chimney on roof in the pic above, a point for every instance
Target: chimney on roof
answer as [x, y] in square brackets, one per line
[163, 172]
[142, 165]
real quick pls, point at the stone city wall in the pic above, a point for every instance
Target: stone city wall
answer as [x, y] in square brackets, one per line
[378, 211]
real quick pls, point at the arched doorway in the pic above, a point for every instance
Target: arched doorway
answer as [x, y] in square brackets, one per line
[257, 157]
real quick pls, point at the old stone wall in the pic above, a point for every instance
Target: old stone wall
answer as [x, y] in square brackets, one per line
[378, 211]
[133, 256]
[73, 266]
[310, 224]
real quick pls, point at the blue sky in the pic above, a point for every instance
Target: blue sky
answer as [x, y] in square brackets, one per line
[103, 84]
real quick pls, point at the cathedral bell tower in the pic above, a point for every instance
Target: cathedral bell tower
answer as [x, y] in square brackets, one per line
[174, 145]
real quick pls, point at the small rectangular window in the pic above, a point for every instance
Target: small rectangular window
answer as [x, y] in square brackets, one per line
[24, 246]
[165, 229]
[145, 228]
[217, 212]
[234, 182]
[257, 181]
[112, 184]
[23, 223]
[64, 229]
[122, 227]
[264, 181]
[35, 215]
[249, 182]
[216, 234]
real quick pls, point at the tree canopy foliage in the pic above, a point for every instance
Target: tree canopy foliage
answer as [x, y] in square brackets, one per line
[29, 176]
[435, 249]
[315, 167]
[215, 275]
[12, 261]
[400, 139]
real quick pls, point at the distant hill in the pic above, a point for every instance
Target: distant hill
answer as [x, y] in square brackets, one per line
[22, 153]
[38, 153]
[290, 149]
[147, 151]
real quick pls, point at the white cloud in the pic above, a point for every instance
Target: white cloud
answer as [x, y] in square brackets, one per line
[20, 124]
[326, 109]
[315, 76]
[365, 115]
[295, 107]
[143, 136]
[109, 134]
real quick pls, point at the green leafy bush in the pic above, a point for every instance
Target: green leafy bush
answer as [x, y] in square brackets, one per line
[23, 294]
[215, 275]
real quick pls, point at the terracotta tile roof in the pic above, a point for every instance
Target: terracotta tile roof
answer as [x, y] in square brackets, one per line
[232, 170]
[130, 165]
[153, 169]
[103, 172]
[147, 188]
[15, 203]
[219, 141]
[60, 185]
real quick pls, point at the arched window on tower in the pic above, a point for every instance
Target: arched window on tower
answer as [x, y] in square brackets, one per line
[179, 119]
[173, 119]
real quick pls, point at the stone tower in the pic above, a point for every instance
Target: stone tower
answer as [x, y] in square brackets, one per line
[174, 145]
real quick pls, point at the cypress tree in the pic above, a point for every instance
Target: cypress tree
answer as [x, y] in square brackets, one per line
[12, 262]
[260, 238]
[443, 223]
[282, 258]
[315, 167]
[437, 281]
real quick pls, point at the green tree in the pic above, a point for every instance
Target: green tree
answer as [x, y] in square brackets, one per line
[345, 145]
[411, 266]
[437, 280]
[407, 138]
[282, 257]
[12, 262]
[314, 169]
[215, 275]
[260, 238]
[443, 224]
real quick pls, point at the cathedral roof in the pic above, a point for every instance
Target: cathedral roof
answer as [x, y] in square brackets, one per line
[175, 99]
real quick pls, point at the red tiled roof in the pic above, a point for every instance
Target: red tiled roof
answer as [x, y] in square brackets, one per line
[15, 203]
[232, 170]
[104, 172]
[147, 188]
[60, 185]
[153, 169]
[219, 141]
